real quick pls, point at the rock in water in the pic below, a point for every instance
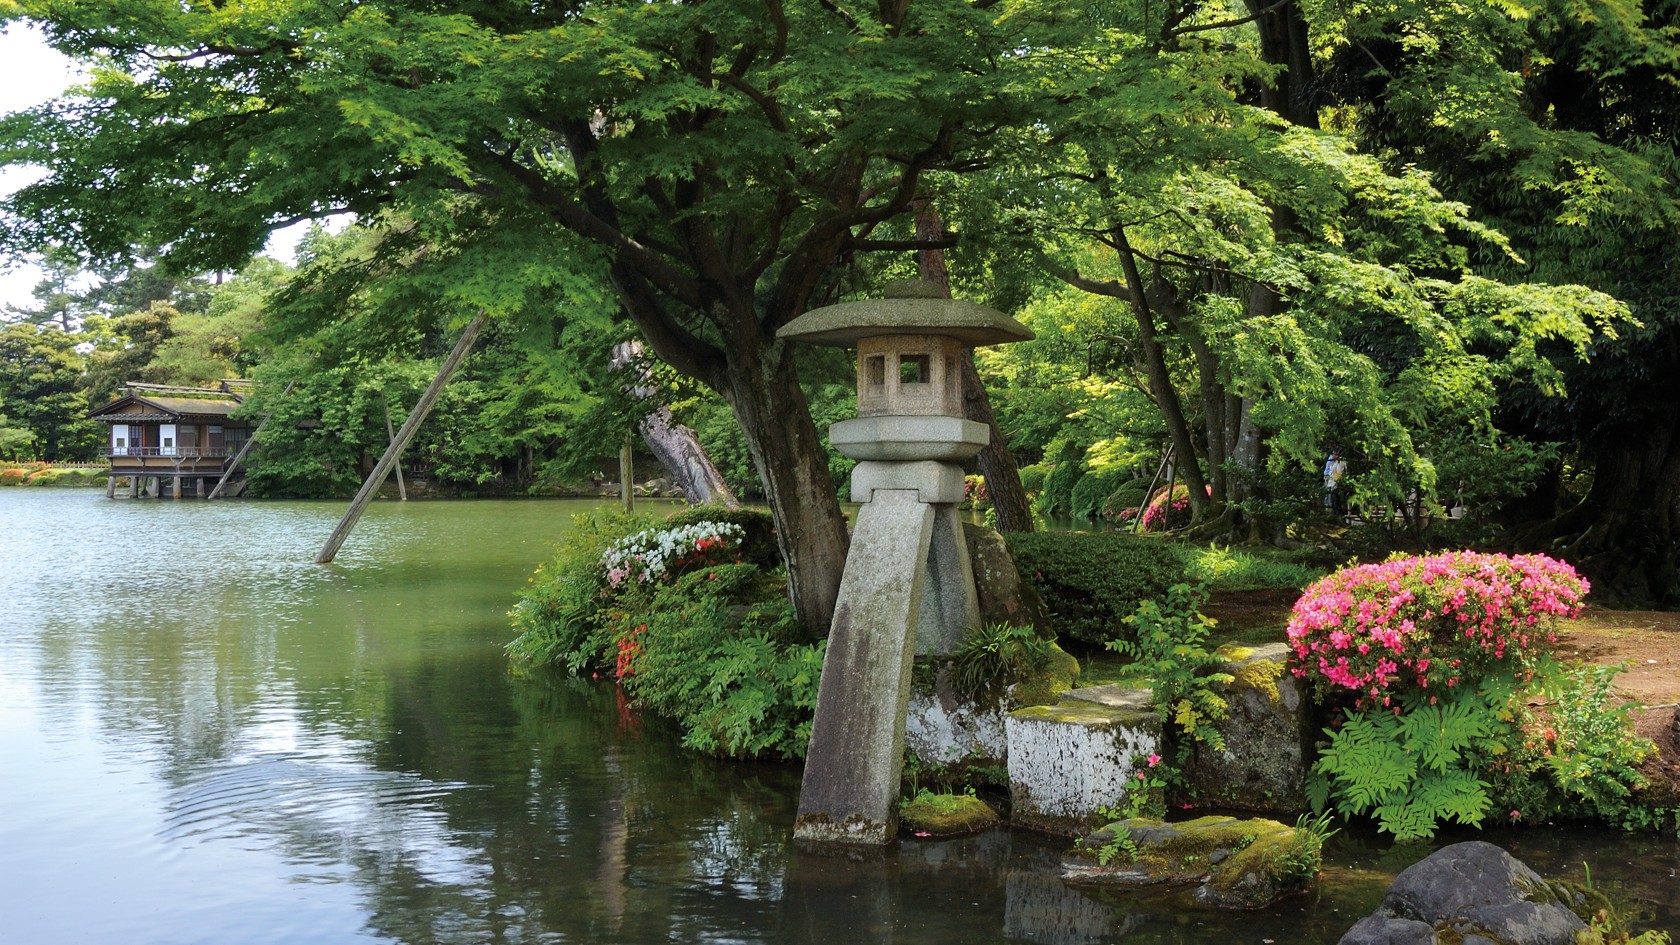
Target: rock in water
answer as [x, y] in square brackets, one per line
[1471, 892]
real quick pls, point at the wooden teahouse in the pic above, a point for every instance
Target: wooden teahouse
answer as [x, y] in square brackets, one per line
[187, 434]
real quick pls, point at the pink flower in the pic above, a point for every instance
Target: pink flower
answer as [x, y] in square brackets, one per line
[1154, 760]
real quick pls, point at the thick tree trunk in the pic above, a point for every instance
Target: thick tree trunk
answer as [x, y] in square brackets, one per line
[997, 464]
[763, 390]
[1284, 42]
[755, 375]
[1625, 535]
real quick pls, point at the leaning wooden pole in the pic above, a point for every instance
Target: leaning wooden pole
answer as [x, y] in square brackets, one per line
[422, 407]
[244, 448]
[402, 488]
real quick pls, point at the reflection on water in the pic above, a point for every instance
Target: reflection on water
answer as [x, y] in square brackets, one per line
[208, 738]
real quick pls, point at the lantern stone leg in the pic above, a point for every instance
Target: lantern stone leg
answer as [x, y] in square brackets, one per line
[852, 769]
[907, 590]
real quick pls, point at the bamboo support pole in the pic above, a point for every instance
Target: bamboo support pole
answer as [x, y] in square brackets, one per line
[422, 407]
[402, 488]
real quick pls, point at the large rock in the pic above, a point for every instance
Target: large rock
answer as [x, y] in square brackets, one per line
[1268, 736]
[1004, 597]
[1474, 893]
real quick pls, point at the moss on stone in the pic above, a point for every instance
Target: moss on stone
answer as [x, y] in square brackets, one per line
[1047, 685]
[1260, 675]
[1242, 864]
[945, 815]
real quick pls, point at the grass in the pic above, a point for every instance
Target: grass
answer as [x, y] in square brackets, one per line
[1234, 569]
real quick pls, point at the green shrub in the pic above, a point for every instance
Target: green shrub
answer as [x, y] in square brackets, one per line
[1231, 569]
[1168, 653]
[1129, 494]
[696, 629]
[560, 617]
[997, 654]
[1089, 493]
[1092, 582]
[1064, 474]
[1032, 478]
[717, 651]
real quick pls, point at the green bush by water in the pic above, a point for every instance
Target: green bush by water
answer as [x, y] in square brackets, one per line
[1092, 582]
[697, 630]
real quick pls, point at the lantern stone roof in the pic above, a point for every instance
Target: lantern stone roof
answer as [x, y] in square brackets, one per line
[909, 308]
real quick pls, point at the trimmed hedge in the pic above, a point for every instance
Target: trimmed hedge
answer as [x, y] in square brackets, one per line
[1091, 582]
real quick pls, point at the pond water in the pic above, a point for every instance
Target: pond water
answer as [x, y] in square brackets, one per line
[207, 738]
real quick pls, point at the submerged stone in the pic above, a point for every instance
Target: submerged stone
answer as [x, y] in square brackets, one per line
[1233, 864]
[945, 815]
[1469, 892]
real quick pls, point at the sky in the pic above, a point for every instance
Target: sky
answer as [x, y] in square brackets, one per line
[31, 73]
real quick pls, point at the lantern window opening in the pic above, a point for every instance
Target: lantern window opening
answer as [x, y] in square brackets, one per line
[915, 369]
[875, 371]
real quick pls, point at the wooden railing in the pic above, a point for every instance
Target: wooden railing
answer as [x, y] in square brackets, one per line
[169, 452]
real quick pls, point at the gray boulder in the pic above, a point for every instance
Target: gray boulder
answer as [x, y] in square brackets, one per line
[1475, 893]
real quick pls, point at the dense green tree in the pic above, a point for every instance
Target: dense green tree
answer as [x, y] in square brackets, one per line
[16, 442]
[1287, 291]
[712, 160]
[1562, 129]
[40, 385]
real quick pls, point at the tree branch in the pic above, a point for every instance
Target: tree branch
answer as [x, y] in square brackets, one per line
[1224, 24]
[571, 215]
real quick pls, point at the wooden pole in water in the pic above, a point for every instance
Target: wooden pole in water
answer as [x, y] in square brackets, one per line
[244, 448]
[402, 489]
[422, 407]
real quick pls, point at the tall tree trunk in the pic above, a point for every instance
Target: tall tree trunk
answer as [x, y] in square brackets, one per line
[1163, 298]
[755, 375]
[997, 463]
[763, 390]
[1625, 535]
[1160, 381]
[1284, 42]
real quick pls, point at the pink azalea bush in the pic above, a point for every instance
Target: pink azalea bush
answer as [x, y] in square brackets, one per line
[1380, 631]
[1167, 510]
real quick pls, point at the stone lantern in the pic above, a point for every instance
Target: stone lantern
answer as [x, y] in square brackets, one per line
[907, 586]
